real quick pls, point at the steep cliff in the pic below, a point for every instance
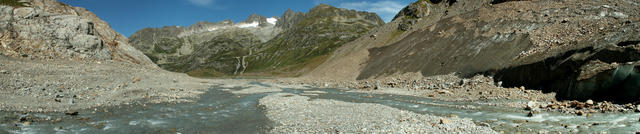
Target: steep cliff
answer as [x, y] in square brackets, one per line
[48, 29]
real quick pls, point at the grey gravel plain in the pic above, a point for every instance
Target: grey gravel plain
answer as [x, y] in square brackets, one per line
[298, 114]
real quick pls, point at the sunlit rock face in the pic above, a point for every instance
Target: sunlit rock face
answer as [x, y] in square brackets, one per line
[48, 29]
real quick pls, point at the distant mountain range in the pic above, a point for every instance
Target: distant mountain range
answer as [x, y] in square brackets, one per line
[296, 41]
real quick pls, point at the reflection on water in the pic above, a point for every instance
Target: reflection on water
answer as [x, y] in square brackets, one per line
[218, 111]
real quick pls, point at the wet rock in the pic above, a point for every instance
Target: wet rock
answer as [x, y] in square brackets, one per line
[443, 92]
[72, 113]
[531, 105]
[579, 113]
[530, 114]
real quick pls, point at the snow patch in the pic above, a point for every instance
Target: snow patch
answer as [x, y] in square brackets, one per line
[247, 25]
[272, 20]
[212, 28]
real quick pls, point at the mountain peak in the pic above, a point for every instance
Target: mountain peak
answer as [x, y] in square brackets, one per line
[255, 18]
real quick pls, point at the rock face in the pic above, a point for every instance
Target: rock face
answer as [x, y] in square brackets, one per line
[569, 47]
[48, 29]
[289, 18]
[213, 49]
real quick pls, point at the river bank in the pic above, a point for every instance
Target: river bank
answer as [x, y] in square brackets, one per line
[65, 85]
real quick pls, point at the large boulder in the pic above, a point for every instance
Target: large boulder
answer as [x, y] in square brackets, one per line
[48, 29]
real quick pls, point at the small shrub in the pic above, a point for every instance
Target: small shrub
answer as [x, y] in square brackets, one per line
[13, 3]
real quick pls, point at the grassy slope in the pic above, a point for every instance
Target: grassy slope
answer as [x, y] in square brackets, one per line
[305, 46]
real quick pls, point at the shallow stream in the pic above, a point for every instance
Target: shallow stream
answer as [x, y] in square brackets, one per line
[219, 111]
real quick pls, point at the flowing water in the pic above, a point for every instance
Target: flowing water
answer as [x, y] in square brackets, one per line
[219, 111]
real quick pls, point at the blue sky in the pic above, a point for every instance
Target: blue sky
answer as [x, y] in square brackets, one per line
[128, 16]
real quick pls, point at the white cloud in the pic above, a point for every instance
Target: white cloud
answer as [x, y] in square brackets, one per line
[385, 9]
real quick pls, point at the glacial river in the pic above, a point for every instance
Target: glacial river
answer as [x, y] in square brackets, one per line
[219, 111]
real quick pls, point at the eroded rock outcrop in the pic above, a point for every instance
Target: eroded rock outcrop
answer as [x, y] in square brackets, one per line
[546, 45]
[48, 29]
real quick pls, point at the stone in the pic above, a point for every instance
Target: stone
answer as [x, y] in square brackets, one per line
[443, 92]
[444, 121]
[531, 105]
[522, 88]
[84, 42]
[72, 113]
[589, 102]
[619, 15]
[579, 113]
[452, 116]
[27, 123]
[4, 72]
[530, 114]
[24, 13]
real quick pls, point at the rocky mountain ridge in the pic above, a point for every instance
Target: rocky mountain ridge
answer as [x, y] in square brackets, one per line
[212, 49]
[205, 47]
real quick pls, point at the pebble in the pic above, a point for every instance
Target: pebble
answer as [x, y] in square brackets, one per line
[444, 121]
[4, 72]
[589, 102]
